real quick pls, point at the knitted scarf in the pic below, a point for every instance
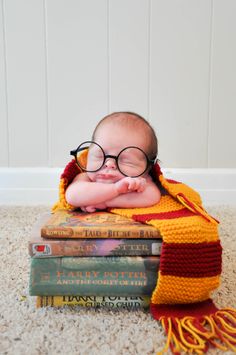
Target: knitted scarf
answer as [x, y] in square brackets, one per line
[190, 266]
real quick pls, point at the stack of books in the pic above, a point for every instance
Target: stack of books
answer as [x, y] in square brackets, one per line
[93, 259]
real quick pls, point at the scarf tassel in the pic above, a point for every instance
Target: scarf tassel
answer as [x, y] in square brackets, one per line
[194, 335]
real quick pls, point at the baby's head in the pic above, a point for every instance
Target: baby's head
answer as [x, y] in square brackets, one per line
[123, 129]
[125, 145]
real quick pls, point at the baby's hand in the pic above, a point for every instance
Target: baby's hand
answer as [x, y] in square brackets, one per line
[129, 184]
[90, 209]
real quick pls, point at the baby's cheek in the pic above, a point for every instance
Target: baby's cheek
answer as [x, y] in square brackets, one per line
[92, 176]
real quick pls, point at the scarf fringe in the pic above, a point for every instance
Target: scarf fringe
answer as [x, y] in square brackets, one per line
[195, 335]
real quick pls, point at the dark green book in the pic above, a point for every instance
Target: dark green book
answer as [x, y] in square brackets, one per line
[100, 276]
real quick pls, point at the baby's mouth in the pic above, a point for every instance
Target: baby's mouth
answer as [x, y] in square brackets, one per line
[106, 177]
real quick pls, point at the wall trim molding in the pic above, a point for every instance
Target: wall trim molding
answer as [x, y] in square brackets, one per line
[39, 186]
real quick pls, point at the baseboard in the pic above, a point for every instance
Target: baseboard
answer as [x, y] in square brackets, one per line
[216, 186]
[29, 186]
[39, 186]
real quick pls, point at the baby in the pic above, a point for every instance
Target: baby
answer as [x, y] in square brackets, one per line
[120, 156]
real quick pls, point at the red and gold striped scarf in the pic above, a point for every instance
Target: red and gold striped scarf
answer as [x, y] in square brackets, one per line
[190, 266]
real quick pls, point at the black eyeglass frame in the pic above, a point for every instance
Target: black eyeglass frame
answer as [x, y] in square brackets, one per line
[75, 151]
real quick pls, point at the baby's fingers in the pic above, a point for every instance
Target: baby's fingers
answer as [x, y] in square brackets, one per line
[142, 184]
[132, 185]
[88, 209]
[137, 184]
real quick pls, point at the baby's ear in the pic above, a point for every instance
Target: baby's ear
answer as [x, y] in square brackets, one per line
[149, 169]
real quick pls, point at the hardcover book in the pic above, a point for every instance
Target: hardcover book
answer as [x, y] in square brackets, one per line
[45, 247]
[110, 302]
[100, 276]
[77, 224]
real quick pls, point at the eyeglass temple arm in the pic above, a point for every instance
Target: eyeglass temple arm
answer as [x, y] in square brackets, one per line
[73, 152]
[152, 161]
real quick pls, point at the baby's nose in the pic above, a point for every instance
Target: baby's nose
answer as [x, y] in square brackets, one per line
[110, 163]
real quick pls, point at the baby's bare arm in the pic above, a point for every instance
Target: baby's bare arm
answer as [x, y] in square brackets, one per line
[147, 196]
[124, 186]
[127, 192]
[83, 192]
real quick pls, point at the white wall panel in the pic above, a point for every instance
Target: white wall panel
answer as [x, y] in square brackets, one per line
[77, 72]
[179, 72]
[222, 132]
[3, 97]
[64, 64]
[26, 82]
[129, 55]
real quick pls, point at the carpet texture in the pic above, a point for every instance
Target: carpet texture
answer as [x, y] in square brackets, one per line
[27, 330]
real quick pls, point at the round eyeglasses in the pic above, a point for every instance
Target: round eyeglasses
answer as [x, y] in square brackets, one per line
[131, 161]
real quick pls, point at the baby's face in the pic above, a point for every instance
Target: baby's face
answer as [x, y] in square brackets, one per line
[113, 138]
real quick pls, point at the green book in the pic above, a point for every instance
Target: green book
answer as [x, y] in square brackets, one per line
[100, 276]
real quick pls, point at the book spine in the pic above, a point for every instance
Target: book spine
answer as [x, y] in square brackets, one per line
[98, 232]
[109, 302]
[101, 276]
[95, 247]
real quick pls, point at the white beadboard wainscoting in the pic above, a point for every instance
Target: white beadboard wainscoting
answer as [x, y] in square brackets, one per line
[36, 186]
[66, 64]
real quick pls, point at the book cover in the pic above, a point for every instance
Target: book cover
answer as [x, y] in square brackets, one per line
[109, 302]
[77, 224]
[41, 247]
[100, 276]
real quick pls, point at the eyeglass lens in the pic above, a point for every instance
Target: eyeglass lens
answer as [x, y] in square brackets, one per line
[131, 161]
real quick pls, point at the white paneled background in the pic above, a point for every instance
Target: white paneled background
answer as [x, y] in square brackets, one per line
[64, 64]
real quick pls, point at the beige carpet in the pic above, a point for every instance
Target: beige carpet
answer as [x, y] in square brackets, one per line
[27, 330]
